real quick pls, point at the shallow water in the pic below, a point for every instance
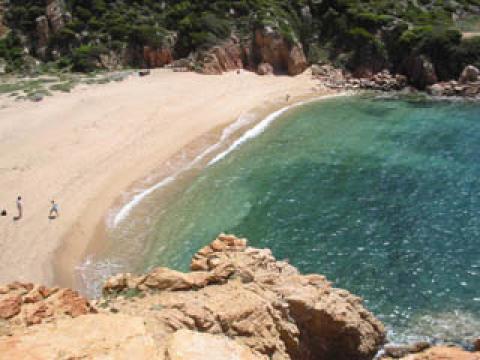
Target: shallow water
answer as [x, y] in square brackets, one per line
[380, 195]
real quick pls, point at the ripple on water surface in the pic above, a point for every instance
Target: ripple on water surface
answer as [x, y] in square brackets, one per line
[382, 196]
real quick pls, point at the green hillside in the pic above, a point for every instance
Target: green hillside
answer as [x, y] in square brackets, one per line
[351, 34]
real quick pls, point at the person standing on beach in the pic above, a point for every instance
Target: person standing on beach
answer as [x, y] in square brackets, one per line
[287, 98]
[19, 208]
[53, 210]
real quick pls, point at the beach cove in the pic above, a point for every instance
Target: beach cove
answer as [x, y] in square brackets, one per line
[87, 148]
[378, 192]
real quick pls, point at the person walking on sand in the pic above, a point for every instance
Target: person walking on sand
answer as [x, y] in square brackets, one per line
[53, 210]
[287, 98]
[19, 208]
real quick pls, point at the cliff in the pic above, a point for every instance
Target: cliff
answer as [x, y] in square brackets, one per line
[237, 302]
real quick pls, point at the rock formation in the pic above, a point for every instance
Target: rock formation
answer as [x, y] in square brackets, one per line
[268, 52]
[24, 304]
[271, 47]
[230, 55]
[237, 302]
[55, 19]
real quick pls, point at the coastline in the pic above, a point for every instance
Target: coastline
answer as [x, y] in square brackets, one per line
[214, 146]
[87, 147]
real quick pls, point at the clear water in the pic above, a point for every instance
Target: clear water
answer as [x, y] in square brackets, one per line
[380, 195]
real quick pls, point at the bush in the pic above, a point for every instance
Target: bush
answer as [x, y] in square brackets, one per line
[85, 58]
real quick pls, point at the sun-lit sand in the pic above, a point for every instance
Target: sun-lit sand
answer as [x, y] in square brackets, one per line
[85, 148]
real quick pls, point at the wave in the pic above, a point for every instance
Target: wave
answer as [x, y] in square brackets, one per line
[242, 121]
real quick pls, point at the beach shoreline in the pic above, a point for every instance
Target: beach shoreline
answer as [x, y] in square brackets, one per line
[87, 148]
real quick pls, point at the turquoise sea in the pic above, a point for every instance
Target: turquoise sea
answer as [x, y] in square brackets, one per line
[382, 195]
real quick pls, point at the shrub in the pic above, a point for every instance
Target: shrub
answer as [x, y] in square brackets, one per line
[85, 58]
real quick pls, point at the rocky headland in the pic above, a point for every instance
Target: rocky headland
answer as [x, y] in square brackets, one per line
[237, 302]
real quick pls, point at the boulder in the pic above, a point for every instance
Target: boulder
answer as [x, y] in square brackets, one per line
[399, 351]
[265, 69]
[476, 344]
[469, 74]
[10, 306]
[191, 345]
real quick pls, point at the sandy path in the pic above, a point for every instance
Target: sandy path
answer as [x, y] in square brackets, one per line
[85, 148]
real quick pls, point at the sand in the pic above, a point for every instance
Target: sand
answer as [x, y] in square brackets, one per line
[84, 149]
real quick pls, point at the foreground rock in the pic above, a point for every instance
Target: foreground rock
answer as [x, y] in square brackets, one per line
[259, 302]
[237, 303]
[25, 304]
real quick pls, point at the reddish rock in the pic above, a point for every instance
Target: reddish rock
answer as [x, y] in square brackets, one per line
[73, 304]
[10, 306]
[271, 47]
[476, 344]
[225, 57]
[46, 292]
[157, 57]
[37, 314]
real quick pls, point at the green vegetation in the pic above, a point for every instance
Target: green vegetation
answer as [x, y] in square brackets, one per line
[349, 33]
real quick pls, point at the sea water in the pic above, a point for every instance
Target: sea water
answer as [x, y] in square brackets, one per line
[381, 195]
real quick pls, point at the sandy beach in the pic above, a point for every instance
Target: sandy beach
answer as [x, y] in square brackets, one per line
[85, 148]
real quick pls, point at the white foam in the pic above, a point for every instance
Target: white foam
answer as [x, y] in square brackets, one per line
[262, 126]
[242, 121]
[122, 214]
[125, 210]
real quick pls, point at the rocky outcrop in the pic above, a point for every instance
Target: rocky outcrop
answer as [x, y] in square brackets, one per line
[269, 46]
[24, 304]
[237, 302]
[337, 79]
[454, 88]
[230, 55]
[55, 19]
[157, 57]
[259, 302]
[268, 52]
